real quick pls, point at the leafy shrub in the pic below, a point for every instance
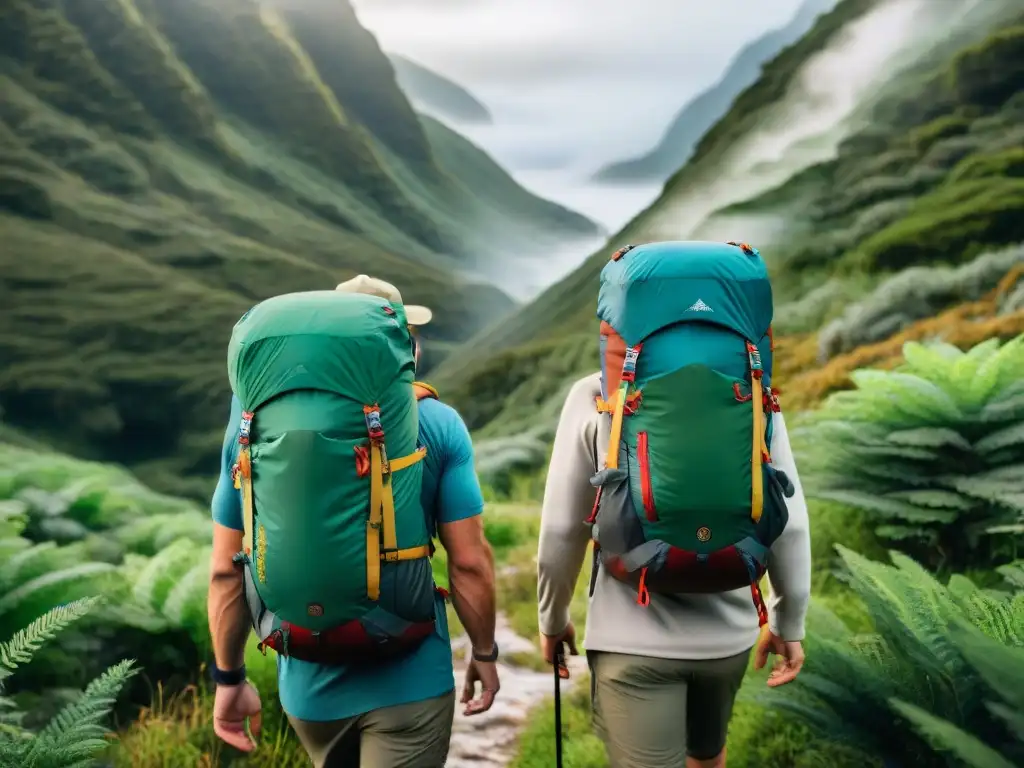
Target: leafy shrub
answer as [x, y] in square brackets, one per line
[923, 137]
[949, 224]
[76, 735]
[990, 72]
[854, 686]
[933, 451]
[914, 294]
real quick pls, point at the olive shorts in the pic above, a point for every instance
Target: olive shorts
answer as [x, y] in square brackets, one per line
[652, 713]
[414, 735]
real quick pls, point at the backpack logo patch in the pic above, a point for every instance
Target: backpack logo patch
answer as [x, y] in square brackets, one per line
[703, 534]
[699, 306]
[315, 609]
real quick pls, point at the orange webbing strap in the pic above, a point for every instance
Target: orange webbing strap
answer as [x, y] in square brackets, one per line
[424, 390]
[757, 441]
[608, 406]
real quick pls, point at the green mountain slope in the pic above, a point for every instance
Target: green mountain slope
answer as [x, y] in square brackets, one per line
[165, 164]
[926, 170]
[435, 93]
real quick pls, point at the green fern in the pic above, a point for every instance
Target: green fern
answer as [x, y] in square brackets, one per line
[1002, 669]
[934, 451]
[76, 734]
[864, 689]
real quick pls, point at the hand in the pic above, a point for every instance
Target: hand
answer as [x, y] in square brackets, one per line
[549, 644]
[485, 673]
[233, 705]
[789, 663]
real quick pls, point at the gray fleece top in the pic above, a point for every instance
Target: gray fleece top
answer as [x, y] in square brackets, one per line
[671, 627]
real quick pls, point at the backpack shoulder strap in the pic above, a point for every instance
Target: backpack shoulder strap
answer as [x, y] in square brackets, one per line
[424, 391]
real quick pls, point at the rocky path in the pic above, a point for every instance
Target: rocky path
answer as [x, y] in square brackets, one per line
[489, 740]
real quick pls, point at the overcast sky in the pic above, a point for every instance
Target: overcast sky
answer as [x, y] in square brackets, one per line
[582, 81]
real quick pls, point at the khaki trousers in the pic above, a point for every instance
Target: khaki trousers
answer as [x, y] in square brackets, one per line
[653, 713]
[414, 735]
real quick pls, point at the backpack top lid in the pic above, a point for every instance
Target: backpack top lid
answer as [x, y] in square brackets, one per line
[659, 284]
[352, 344]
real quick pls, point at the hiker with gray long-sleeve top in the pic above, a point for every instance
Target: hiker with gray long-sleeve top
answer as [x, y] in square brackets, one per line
[675, 461]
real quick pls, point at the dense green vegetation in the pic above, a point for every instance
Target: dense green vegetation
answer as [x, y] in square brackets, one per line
[164, 165]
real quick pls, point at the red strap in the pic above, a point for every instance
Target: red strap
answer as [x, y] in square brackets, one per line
[643, 596]
[597, 503]
[762, 609]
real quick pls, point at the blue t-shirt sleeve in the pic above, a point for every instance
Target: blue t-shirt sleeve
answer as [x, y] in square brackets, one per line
[458, 491]
[227, 502]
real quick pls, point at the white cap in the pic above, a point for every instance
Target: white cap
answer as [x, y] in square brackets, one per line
[414, 314]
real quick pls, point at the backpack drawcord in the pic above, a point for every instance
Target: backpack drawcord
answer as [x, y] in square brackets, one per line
[762, 609]
[643, 596]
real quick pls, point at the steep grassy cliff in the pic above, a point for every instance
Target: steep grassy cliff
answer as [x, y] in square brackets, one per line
[165, 164]
[923, 169]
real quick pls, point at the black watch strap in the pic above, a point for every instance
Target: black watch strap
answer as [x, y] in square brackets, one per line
[492, 656]
[227, 676]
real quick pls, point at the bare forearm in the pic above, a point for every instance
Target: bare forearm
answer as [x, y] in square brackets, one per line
[472, 590]
[228, 617]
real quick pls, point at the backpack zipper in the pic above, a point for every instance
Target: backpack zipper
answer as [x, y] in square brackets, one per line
[646, 486]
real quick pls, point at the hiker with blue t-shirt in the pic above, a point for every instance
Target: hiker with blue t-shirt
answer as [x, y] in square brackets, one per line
[338, 472]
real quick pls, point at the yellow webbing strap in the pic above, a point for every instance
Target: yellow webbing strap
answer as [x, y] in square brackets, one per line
[382, 517]
[245, 473]
[612, 460]
[757, 456]
[373, 524]
[412, 553]
[408, 461]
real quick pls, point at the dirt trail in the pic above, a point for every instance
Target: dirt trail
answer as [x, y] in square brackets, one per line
[489, 740]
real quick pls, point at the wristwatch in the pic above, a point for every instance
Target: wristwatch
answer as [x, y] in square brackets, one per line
[227, 676]
[492, 656]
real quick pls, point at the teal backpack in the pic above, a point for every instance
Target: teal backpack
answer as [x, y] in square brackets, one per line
[688, 501]
[335, 545]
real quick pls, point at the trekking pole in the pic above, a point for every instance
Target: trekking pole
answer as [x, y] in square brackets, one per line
[559, 659]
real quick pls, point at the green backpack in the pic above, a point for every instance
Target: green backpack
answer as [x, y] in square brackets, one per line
[335, 546]
[688, 501]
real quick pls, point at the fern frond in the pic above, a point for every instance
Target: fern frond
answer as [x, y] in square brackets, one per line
[76, 733]
[948, 738]
[20, 648]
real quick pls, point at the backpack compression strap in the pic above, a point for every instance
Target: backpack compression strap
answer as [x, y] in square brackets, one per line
[382, 502]
[382, 505]
[759, 454]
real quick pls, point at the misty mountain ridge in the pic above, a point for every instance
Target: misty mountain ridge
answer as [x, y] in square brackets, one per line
[437, 95]
[686, 129]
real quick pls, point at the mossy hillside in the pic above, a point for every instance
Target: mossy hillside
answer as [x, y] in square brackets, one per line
[143, 209]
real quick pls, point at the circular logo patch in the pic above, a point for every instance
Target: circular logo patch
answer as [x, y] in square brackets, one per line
[703, 533]
[315, 609]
